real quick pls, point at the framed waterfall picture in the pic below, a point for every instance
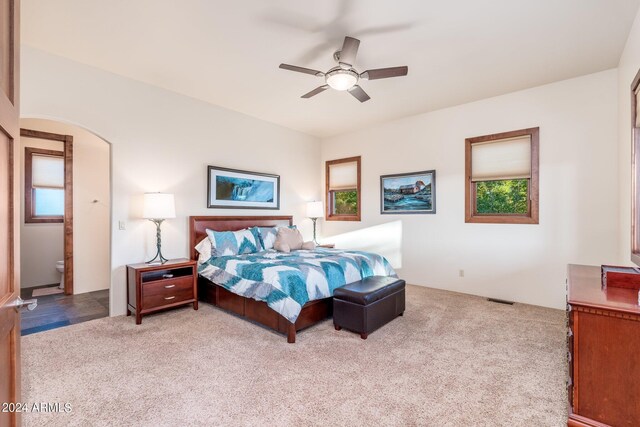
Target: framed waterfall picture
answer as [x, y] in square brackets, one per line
[408, 193]
[237, 189]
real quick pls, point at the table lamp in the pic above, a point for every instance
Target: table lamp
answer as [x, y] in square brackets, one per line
[157, 208]
[314, 211]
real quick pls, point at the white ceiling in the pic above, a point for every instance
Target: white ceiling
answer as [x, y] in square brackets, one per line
[227, 52]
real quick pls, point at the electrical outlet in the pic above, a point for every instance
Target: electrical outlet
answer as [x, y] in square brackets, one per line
[461, 273]
[122, 225]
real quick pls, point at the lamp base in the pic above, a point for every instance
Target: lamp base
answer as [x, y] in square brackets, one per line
[158, 256]
[314, 231]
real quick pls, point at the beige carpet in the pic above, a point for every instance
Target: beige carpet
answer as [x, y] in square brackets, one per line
[452, 360]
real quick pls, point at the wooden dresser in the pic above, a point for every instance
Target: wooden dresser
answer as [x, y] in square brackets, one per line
[155, 287]
[604, 351]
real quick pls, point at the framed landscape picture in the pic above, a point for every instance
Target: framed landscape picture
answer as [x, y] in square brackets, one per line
[237, 189]
[408, 193]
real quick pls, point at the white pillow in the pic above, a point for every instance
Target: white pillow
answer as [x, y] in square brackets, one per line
[204, 249]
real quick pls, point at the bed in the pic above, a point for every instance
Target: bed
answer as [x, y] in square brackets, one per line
[283, 292]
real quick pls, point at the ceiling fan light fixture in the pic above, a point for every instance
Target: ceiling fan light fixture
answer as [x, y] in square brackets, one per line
[344, 77]
[340, 79]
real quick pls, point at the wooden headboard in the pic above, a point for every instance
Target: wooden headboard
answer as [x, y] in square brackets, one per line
[198, 226]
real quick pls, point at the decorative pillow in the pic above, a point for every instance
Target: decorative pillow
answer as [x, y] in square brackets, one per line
[268, 235]
[310, 245]
[256, 236]
[228, 243]
[282, 247]
[289, 239]
[204, 249]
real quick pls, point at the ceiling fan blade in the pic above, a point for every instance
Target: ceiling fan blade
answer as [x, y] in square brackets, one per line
[315, 91]
[301, 70]
[384, 73]
[359, 94]
[349, 52]
[384, 29]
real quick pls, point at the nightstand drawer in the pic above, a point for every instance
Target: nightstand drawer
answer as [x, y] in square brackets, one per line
[164, 292]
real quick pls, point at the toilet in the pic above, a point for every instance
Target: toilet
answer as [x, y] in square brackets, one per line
[60, 268]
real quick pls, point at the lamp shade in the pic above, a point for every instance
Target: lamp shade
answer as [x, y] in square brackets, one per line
[159, 206]
[315, 210]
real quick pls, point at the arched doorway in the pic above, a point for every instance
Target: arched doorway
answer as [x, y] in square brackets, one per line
[81, 266]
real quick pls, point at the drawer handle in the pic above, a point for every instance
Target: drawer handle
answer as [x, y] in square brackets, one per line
[170, 286]
[167, 276]
[168, 298]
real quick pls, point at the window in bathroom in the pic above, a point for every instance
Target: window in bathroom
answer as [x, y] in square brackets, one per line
[44, 185]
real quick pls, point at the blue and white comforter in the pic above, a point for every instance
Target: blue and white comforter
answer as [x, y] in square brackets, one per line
[286, 282]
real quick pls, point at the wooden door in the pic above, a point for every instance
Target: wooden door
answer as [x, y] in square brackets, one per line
[9, 134]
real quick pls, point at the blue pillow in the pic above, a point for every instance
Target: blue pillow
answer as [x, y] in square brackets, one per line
[229, 243]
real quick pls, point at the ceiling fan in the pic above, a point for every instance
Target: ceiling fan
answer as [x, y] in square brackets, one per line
[344, 76]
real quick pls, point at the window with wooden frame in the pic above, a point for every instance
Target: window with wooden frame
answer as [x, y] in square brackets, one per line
[635, 170]
[44, 186]
[343, 189]
[502, 177]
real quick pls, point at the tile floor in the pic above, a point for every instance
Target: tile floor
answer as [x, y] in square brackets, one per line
[55, 311]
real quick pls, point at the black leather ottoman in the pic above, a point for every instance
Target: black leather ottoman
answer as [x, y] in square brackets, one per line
[368, 304]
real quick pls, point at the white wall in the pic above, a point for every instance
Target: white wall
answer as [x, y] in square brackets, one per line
[162, 141]
[41, 244]
[627, 69]
[91, 221]
[525, 263]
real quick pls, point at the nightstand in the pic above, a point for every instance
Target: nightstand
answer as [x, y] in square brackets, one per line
[327, 245]
[155, 287]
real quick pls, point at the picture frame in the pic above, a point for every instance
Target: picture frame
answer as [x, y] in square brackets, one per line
[239, 189]
[408, 193]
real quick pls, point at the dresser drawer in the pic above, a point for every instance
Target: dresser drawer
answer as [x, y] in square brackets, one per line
[168, 291]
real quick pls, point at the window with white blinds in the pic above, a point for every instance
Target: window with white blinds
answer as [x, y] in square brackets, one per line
[47, 171]
[502, 177]
[501, 159]
[44, 185]
[343, 189]
[343, 176]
